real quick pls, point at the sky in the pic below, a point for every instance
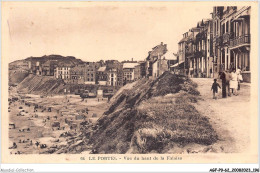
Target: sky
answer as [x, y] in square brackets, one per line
[94, 31]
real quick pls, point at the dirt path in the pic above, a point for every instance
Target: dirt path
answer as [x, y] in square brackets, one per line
[230, 117]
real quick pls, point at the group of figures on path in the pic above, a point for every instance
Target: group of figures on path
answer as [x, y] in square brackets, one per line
[230, 83]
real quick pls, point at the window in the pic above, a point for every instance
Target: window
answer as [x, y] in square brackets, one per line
[227, 25]
[218, 25]
[208, 45]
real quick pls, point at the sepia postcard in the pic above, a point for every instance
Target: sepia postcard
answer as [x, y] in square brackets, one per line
[129, 82]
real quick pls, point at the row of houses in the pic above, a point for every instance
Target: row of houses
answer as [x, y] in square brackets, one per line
[111, 72]
[217, 44]
[107, 73]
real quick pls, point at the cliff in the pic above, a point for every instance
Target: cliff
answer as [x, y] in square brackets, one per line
[152, 116]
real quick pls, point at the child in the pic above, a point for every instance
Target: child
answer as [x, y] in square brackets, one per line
[214, 87]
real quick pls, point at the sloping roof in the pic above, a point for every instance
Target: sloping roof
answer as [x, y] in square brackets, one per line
[183, 39]
[177, 64]
[130, 65]
[63, 64]
[170, 56]
[102, 68]
[77, 69]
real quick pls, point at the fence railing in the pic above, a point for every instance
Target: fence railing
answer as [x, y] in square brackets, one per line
[243, 39]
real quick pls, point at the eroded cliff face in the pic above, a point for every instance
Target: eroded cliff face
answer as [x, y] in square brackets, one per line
[152, 116]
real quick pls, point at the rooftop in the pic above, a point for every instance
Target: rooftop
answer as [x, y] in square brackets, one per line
[130, 65]
[170, 56]
[102, 68]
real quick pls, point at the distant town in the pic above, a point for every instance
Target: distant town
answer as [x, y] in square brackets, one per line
[102, 73]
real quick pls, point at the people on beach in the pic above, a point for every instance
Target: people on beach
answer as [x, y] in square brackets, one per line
[37, 144]
[215, 87]
[14, 145]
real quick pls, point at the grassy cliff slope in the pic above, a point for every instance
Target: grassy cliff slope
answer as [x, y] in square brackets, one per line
[152, 116]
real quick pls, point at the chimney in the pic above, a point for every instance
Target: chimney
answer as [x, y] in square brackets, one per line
[161, 43]
[132, 59]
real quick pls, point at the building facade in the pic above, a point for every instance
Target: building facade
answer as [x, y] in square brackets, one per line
[112, 77]
[218, 44]
[232, 39]
[47, 68]
[77, 75]
[62, 71]
[101, 76]
[90, 73]
[159, 67]
[131, 72]
[154, 55]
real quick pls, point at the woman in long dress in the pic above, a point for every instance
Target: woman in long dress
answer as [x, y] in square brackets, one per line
[234, 82]
[239, 78]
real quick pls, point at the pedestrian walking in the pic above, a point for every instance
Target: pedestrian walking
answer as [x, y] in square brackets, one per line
[228, 78]
[215, 87]
[223, 78]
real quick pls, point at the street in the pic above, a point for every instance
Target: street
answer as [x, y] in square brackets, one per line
[230, 116]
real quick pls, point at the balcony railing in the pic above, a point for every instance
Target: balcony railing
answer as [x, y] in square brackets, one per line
[227, 37]
[229, 66]
[201, 53]
[240, 40]
[218, 41]
[189, 53]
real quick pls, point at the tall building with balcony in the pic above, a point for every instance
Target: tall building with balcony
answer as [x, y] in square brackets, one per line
[196, 50]
[231, 39]
[227, 56]
[203, 49]
[183, 44]
[240, 42]
[187, 50]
